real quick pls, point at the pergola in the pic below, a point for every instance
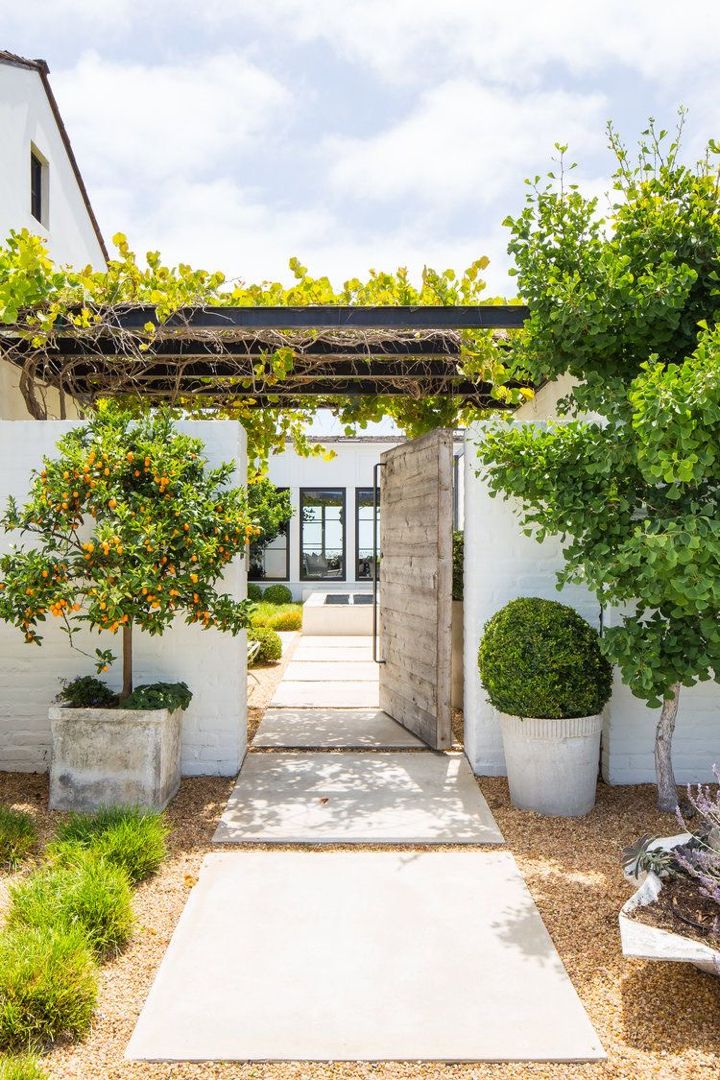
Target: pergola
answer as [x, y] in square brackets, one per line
[222, 353]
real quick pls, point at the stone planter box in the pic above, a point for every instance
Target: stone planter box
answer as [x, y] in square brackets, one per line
[114, 757]
[552, 765]
[654, 943]
[458, 661]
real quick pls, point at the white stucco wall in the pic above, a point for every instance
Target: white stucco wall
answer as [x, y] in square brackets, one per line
[25, 118]
[212, 664]
[502, 564]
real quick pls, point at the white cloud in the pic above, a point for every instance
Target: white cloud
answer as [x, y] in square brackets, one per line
[465, 142]
[146, 123]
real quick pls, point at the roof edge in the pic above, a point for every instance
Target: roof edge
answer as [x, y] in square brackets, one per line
[43, 70]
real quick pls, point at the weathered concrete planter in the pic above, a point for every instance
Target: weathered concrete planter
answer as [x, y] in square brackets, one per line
[111, 757]
[458, 664]
[652, 942]
[552, 765]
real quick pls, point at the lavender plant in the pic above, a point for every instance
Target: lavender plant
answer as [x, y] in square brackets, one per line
[700, 858]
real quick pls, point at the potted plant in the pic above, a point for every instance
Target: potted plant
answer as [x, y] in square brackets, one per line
[675, 913]
[131, 529]
[543, 670]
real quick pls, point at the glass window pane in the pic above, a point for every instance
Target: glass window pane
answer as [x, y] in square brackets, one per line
[364, 517]
[322, 534]
[271, 561]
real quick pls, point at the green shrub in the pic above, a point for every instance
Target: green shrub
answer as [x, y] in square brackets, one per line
[159, 695]
[86, 891]
[48, 985]
[277, 594]
[18, 836]
[458, 556]
[270, 644]
[87, 692]
[23, 1067]
[254, 591]
[540, 658]
[127, 837]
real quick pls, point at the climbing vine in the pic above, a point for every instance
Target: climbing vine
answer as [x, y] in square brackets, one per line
[40, 300]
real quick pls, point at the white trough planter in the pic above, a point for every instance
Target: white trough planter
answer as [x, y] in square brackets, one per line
[552, 765]
[347, 612]
[652, 942]
[114, 757]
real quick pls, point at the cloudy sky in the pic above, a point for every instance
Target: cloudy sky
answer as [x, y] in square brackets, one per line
[233, 134]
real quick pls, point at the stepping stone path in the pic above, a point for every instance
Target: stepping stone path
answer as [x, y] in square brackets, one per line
[327, 955]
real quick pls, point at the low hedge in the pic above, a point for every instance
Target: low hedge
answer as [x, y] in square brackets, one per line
[254, 591]
[18, 836]
[539, 658]
[48, 986]
[270, 644]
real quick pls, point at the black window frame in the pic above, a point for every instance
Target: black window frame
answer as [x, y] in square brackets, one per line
[287, 551]
[301, 493]
[38, 186]
[370, 491]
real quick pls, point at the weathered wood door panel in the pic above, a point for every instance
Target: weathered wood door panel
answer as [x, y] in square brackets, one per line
[416, 586]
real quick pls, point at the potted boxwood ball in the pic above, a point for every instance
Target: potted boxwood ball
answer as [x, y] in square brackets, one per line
[543, 670]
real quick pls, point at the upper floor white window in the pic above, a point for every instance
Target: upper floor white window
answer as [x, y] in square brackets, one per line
[39, 186]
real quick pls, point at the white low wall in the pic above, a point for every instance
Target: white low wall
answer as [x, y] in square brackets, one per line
[212, 664]
[501, 564]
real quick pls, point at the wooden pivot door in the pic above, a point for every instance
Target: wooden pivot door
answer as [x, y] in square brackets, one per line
[415, 611]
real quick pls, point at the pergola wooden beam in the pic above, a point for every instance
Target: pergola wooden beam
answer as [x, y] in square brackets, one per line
[326, 317]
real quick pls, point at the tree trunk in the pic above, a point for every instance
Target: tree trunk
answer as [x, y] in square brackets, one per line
[667, 798]
[127, 686]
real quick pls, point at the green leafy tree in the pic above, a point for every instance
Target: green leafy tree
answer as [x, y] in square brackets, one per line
[131, 529]
[625, 303]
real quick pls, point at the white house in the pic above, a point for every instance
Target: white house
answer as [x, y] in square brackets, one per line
[41, 187]
[328, 544]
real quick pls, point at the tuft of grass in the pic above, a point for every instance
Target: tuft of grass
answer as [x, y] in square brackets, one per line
[275, 616]
[128, 837]
[18, 836]
[291, 619]
[48, 986]
[87, 892]
[21, 1067]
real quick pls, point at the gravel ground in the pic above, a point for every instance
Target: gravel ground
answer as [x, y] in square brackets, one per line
[655, 1020]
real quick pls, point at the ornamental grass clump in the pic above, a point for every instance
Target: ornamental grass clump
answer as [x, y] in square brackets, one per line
[21, 1067]
[87, 892]
[539, 658]
[127, 837]
[131, 529]
[48, 985]
[18, 836]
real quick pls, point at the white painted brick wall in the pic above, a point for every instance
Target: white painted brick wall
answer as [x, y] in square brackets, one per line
[501, 564]
[212, 664]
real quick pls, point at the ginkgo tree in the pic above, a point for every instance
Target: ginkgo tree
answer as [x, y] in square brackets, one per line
[125, 528]
[628, 304]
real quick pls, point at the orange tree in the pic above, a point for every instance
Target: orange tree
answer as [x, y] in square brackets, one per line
[131, 529]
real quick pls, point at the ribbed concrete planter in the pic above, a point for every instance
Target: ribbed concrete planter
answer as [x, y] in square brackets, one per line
[654, 943]
[552, 765]
[114, 757]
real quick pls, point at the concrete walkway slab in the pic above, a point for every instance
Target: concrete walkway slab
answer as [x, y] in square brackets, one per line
[357, 653]
[350, 798]
[296, 693]
[334, 671]
[352, 956]
[335, 641]
[309, 729]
